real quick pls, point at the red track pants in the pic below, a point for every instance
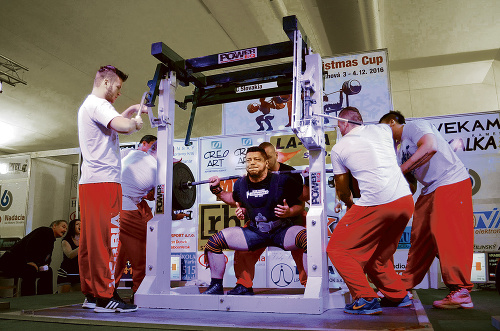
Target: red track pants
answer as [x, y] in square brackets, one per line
[443, 225]
[133, 232]
[364, 242]
[100, 205]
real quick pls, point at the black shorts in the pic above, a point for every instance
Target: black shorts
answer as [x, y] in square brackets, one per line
[256, 239]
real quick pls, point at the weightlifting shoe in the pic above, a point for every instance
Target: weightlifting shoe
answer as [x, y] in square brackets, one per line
[215, 289]
[405, 302]
[362, 306]
[456, 299]
[241, 290]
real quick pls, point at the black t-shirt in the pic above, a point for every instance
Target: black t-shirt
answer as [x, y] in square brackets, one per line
[285, 167]
[259, 194]
[36, 247]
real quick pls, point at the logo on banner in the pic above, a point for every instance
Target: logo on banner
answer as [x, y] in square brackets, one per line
[315, 179]
[216, 144]
[243, 54]
[282, 275]
[5, 199]
[160, 195]
[246, 141]
[487, 222]
[214, 218]
[331, 224]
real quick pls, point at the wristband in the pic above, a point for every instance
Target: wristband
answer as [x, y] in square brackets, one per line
[216, 189]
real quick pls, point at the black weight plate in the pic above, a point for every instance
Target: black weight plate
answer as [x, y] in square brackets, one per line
[183, 197]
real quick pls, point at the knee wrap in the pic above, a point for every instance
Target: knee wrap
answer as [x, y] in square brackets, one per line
[301, 240]
[216, 243]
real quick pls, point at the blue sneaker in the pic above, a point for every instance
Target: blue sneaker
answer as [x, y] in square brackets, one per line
[405, 302]
[364, 307]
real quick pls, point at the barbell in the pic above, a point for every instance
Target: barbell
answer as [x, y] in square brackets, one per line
[183, 183]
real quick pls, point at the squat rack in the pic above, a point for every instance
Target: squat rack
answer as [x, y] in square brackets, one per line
[302, 78]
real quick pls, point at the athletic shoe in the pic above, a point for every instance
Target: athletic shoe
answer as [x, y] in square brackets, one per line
[364, 307]
[215, 289]
[405, 302]
[113, 306]
[241, 290]
[456, 299]
[89, 302]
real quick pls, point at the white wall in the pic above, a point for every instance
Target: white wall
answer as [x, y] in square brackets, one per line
[450, 89]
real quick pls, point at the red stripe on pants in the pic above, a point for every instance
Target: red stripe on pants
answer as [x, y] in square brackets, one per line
[133, 233]
[100, 205]
[364, 242]
[443, 225]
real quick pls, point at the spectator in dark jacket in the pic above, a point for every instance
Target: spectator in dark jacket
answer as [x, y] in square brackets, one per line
[30, 258]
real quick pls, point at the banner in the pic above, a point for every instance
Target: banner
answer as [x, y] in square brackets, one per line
[14, 182]
[184, 230]
[358, 80]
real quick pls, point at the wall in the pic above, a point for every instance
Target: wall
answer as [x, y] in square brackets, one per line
[448, 89]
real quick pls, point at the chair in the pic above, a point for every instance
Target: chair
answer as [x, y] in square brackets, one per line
[15, 287]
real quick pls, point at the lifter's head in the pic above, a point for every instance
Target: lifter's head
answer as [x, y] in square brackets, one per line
[108, 83]
[349, 113]
[256, 163]
[272, 155]
[396, 121]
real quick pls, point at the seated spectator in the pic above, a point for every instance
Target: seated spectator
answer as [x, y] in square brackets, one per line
[29, 259]
[68, 275]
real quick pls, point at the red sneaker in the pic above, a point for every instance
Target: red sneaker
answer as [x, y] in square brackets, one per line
[456, 299]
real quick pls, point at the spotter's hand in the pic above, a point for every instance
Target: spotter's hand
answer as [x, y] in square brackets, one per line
[282, 211]
[240, 211]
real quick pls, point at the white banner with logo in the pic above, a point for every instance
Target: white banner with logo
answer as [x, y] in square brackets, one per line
[14, 182]
[360, 80]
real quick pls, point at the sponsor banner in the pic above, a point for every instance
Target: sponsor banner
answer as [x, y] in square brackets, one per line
[257, 115]
[358, 80]
[486, 227]
[14, 167]
[470, 134]
[292, 152]
[214, 218]
[188, 262]
[223, 157]
[184, 230]
[13, 207]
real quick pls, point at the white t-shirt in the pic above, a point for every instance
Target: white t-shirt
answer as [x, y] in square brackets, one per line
[138, 177]
[368, 153]
[444, 168]
[99, 144]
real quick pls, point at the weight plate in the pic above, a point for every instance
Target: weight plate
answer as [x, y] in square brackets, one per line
[183, 197]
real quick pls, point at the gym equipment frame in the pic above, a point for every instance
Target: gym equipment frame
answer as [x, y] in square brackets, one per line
[303, 79]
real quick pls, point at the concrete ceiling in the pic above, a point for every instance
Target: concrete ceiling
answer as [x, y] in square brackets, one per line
[63, 43]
